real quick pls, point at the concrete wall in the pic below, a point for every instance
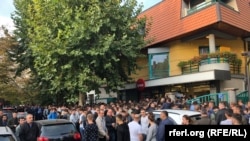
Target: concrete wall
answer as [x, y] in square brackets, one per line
[233, 83]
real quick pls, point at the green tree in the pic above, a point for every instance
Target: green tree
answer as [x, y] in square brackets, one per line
[81, 45]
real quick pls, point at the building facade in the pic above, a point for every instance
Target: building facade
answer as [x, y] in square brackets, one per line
[196, 49]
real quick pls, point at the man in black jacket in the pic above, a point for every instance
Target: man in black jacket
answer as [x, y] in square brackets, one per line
[110, 124]
[220, 116]
[122, 129]
[29, 131]
[13, 122]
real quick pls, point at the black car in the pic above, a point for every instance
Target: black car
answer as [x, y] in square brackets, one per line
[57, 130]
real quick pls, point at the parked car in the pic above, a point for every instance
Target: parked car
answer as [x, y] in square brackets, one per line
[176, 115]
[6, 134]
[57, 130]
[8, 111]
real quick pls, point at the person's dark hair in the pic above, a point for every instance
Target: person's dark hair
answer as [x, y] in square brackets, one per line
[151, 116]
[21, 118]
[120, 117]
[229, 112]
[188, 118]
[237, 117]
[165, 113]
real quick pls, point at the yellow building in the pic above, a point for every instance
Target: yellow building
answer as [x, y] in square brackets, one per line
[195, 53]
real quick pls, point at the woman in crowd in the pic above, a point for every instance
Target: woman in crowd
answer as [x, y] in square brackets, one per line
[151, 136]
[186, 120]
[91, 129]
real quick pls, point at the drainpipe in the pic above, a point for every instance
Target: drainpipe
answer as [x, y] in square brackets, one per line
[247, 55]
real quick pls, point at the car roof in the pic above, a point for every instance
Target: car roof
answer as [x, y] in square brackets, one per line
[179, 112]
[52, 121]
[5, 130]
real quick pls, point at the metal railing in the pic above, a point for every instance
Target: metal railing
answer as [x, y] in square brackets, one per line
[192, 68]
[243, 96]
[213, 61]
[218, 97]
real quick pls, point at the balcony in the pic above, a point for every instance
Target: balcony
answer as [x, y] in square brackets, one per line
[214, 64]
[215, 61]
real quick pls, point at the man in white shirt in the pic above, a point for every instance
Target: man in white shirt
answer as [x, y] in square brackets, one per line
[144, 123]
[102, 129]
[135, 129]
[74, 118]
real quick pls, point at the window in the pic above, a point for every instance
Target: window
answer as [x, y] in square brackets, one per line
[58, 129]
[148, 3]
[205, 49]
[158, 65]
[191, 6]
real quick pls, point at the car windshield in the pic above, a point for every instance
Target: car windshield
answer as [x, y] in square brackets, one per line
[6, 138]
[58, 129]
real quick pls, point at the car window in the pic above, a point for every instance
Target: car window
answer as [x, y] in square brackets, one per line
[58, 129]
[195, 117]
[6, 138]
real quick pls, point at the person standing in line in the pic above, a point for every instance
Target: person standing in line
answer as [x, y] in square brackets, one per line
[165, 120]
[29, 131]
[152, 130]
[135, 130]
[91, 129]
[74, 118]
[21, 121]
[110, 124]
[102, 129]
[82, 123]
[52, 114]
[122, 129]
[144, 123]
[13, 122]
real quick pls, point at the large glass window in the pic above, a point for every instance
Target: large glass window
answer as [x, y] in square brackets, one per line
[158, 65]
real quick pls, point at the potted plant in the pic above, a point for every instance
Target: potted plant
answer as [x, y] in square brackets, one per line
[182, 64]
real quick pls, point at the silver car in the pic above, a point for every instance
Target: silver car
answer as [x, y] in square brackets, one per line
[6, 134]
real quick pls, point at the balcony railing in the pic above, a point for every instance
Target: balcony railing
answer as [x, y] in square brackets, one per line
[221, 63]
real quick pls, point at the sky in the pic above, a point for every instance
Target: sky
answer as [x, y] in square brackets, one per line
[7, 7]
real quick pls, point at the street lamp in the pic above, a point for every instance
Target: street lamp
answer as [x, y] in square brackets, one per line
[247, 54]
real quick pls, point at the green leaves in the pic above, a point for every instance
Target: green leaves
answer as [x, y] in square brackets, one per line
[78, 46]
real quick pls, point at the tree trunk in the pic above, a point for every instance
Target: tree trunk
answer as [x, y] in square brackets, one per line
[81, 99]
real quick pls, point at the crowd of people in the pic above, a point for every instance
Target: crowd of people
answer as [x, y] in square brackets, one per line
[131, 121]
